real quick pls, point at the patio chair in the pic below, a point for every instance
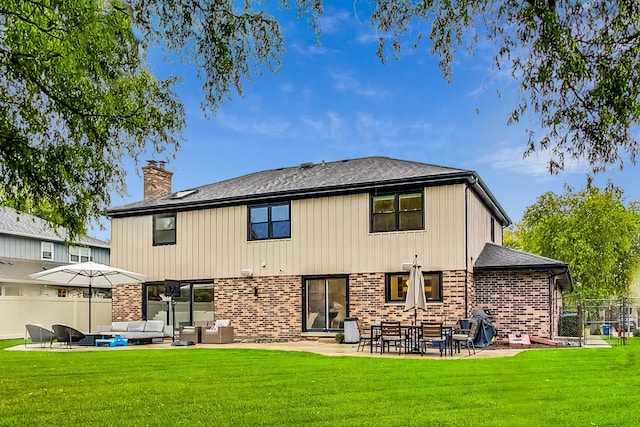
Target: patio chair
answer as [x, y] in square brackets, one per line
[466, 336]
[188, 333]
[391, 332]
[431, 334]
[192, 333]
[220, 333]
[367, 338]
[38, 334]
[66, 334]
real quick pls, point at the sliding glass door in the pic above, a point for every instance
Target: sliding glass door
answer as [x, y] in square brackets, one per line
[325, 303]
[195, 303]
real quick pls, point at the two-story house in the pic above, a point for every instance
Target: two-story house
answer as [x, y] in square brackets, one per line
[291, 252]
[29, 244]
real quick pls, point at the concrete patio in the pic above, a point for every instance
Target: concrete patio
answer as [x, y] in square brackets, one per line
[323, 347]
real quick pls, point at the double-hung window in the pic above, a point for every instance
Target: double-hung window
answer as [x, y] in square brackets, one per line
[398, 211]
[46, 252]
[79, 254]
[272, 221]
[164, 229]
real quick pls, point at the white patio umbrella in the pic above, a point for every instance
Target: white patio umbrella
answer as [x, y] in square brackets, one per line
[416, 298]
[88, 274]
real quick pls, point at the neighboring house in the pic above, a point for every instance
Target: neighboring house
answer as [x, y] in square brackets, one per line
[29, 244]
[291, 252]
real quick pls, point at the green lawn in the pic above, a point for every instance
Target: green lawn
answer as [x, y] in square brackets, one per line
[563, 387]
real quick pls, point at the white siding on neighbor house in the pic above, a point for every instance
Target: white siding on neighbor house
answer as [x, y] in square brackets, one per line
[329, 235]
[22, 248]
[29, 248]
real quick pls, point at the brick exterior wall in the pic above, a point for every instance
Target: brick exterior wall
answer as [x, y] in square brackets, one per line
[367, 300]
[275, 314]
[126, 302]
[519, 300]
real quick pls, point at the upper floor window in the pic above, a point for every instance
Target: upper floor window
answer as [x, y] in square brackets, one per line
[397, 211]
[79, 254]
[46, 251]
[269, 221]
[396, 285]
[9, 291]
[164, 229]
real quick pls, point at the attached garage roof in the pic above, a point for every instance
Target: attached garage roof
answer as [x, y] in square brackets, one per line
[496, 257]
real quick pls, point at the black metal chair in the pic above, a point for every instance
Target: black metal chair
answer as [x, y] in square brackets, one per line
[66, 334]
[38, 334]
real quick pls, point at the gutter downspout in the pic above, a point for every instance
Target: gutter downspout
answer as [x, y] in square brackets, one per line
[466, 248]
[551, 306]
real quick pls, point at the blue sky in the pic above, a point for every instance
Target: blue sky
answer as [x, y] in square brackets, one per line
[337, 101]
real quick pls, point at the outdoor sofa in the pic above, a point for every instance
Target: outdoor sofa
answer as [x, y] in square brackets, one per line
[138, 331]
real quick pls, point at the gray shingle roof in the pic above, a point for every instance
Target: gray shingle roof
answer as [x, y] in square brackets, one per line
[495, 257]
[21, 224]
[311, 180]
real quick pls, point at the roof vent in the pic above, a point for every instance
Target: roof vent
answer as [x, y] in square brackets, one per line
[306, 165]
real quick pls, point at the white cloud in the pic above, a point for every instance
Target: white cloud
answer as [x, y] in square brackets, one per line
[511, 158]
[346, 82]
[287, 87]
[265, 126]
[309, 50]
[333, 20]
[477, 91]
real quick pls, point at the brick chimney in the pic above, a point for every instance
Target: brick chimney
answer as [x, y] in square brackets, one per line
[157, 180]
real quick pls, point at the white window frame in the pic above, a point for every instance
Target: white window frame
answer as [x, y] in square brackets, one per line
[3, 291]
[78, 254]
[43, 249]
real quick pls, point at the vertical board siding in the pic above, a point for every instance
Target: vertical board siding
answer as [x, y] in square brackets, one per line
[329, 235]
[480, 227]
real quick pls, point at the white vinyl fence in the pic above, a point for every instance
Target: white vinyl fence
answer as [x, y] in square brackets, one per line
[16, 312]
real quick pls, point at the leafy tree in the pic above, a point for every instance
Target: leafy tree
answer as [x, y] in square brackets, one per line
[576, 62]
[76, 96]
[593, 231]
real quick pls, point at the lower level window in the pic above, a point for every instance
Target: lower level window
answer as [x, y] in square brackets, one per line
[325, 303]
[195, 303]
[397, 284]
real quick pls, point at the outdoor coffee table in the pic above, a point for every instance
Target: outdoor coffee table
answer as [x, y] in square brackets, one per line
[115, 341]
[90, 338]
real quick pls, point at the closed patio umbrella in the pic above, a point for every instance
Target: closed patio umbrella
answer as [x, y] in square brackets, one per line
[416, 298]
[88, 274]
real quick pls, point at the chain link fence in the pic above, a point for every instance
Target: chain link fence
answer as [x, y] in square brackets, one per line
[593, 319]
